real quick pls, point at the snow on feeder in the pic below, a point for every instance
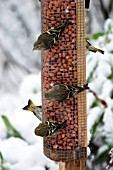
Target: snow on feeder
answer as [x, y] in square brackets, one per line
[65, 63]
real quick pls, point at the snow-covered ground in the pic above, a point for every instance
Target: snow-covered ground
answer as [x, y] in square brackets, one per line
[18, 154]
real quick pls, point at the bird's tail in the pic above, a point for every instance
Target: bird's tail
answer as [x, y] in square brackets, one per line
[94, 49]
[66, 24]
[100, 51]
[30, 106]
[62, 125]
[86, 86]
[63, 26]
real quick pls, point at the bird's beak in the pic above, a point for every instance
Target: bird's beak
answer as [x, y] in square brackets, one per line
[33, 49]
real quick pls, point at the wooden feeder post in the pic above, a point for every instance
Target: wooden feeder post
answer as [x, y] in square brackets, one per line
[65, 63]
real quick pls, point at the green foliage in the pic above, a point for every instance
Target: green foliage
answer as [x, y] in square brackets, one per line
[109, 28]
[111, 75]
[102, 155]
[94, 104]
[97, 123]
[1, 158]
[91, 74]
[97, 35]
[111, 95]
[2, 163]
[35, 91]
[100, 152]
[11, 131]
[100, 143]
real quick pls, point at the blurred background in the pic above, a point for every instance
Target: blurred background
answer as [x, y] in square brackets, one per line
[20, 79]
[19, 26]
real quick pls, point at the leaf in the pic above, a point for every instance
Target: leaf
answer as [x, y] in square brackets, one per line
[111, 94]
[97, 35]
[97, 123]
[102, 156]
[1, 158]
[91, 74]
[111, 75]
[11, 130]
[94, 104]
[2, 162]
[5, 168]
[111, 51]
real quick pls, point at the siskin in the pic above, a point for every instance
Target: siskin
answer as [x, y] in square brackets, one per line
[49, 128]
[63, 92]
[35, 109]
[47, 39]
[92, 48]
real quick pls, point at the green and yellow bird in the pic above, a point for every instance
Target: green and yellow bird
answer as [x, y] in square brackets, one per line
[91, 48]
[35, 109]
[47, 39]
[62, 92]
[49, 128]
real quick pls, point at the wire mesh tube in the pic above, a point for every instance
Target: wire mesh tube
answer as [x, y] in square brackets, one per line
[65, 63]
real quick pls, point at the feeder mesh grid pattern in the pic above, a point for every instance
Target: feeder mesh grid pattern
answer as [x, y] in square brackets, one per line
[65, 63]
